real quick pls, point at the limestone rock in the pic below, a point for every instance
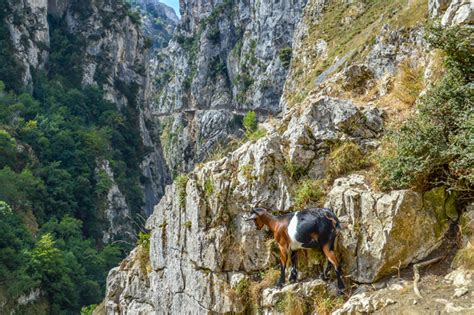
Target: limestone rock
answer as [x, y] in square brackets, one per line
[225, 60]
[382, 226]
[200, 244]
[273, 296]
[437, 7]
[459, 12]
[356, 78]
[117, 212]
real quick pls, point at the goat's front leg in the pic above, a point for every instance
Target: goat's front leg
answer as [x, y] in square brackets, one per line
[325, 273]
[294, 272]
[283, 259]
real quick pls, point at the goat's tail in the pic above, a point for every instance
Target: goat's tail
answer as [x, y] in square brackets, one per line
[333, 218]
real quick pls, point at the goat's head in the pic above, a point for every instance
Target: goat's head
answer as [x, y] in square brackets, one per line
[256, 215]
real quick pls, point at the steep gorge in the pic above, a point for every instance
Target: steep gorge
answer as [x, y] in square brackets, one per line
[325, 79]
[345, 83]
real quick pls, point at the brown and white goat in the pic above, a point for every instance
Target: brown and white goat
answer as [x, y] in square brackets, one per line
[309, 228]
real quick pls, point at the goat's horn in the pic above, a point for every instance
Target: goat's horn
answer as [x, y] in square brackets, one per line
[257, 204]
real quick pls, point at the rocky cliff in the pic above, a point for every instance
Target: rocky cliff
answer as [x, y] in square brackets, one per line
[343, 64]
[226, 57]
[158, 21]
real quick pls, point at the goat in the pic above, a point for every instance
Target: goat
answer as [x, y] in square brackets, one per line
[309, 228]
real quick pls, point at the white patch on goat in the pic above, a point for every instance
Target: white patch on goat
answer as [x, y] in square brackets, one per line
[294, 244]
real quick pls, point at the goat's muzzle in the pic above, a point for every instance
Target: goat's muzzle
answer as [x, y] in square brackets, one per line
[250, 218]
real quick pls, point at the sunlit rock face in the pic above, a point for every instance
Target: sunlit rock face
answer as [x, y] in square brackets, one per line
[226, 58]
[386, 229]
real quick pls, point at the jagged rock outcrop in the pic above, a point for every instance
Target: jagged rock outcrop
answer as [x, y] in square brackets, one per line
[201, 248]
[226, 58]
[200, 243]
[452, 12]
[199, 240]
[399, 227]
[158, 20]
[29, 35]
[117, 212]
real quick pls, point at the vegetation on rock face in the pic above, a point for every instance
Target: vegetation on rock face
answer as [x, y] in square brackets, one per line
[309, 193]
[181, 182]
[343, 159]
[285, 56]
[53, 191]
[349, 29]
[435, 146]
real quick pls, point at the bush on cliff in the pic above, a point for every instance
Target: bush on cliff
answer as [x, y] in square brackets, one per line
[435, 146]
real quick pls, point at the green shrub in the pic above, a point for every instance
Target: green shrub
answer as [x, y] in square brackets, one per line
[435, 145]
[208, 187]
[294, 170]
[144, 240]
[285, 55]
[250, 121]
[181, 182]
[252, 132]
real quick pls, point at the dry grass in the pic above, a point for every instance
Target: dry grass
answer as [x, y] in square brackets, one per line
[269, 279]
[465, 257]
[292, 304]
[143, 256]
[344, 158]
[408, 83]
[324, 303]
[346, 27]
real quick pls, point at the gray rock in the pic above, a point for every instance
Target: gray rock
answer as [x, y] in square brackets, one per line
[356, 78]
[382, 226]
[437, 7]
[224, 58]
[393, 46]
[459, 12]
[201, 248]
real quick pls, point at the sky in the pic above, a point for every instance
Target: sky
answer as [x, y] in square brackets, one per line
[172, 3]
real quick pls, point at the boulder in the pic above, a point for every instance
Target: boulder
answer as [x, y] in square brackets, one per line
[356, 78]
[459, 12]
[437, 7]
[385, 230]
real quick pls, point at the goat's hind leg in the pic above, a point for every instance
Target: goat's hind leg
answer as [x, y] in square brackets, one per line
[332, 258]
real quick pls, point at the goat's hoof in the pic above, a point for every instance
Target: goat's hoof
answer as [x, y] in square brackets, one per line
[279, 285]
[292, 280]
[340, 293]
[324, 277]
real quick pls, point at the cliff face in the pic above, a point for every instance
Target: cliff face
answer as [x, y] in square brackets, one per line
[343, 82]
[114, 54]
[227, 57]
[158, 21]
